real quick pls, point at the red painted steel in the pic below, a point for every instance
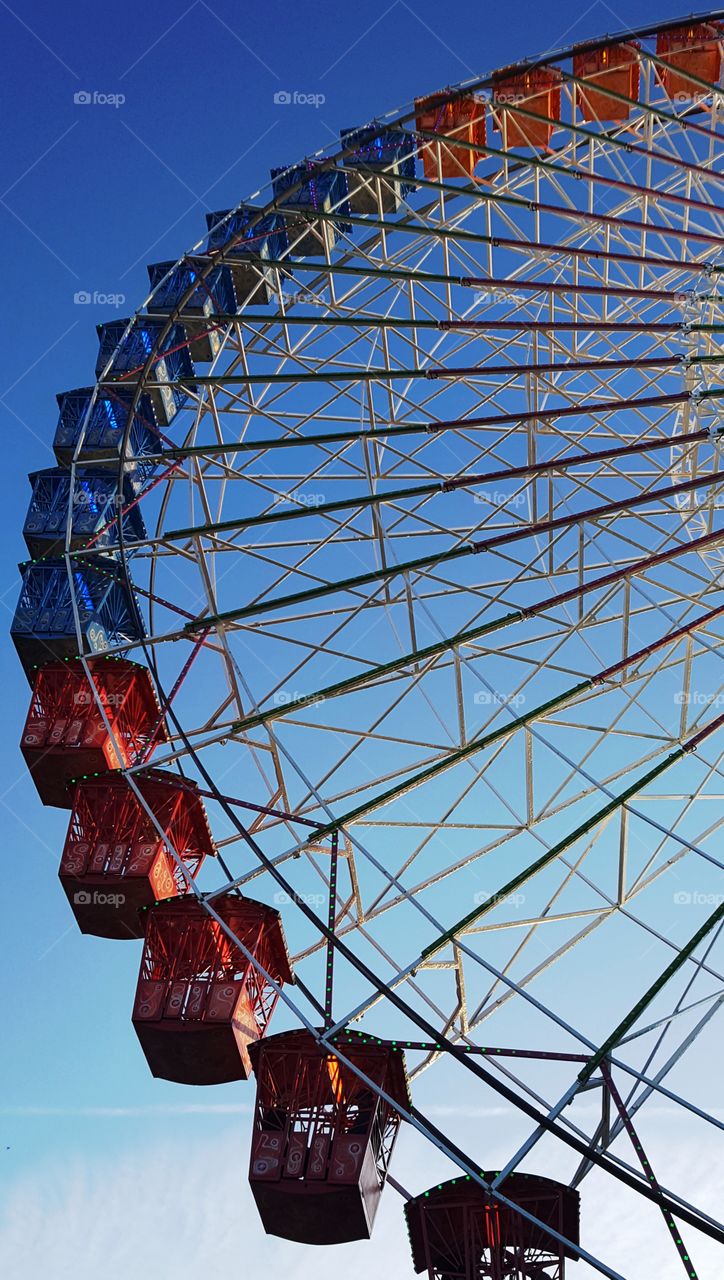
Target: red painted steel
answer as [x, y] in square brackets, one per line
[537, 91]
[615, 68]
[65, 737]
[323, 1138]
[115, 862]
[457, 1230]
[691, 50]
[200, 1002]
[462, 118]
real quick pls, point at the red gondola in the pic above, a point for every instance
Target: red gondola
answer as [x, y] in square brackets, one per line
[200, 1002]
[690, 51]
[462, 118]
[615, 68]
[115, 861]
[457, 1232]
[323, 1138]
[537, 92]
[65, 736]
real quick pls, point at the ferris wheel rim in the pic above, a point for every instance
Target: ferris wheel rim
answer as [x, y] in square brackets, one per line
[176, 315]
[546, 61]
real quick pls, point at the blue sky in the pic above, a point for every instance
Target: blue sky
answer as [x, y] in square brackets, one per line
[91, 192]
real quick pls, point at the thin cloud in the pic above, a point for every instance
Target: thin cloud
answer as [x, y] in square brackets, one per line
[160, 1109]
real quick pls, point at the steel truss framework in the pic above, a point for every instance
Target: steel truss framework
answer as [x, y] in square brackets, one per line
[431, 590]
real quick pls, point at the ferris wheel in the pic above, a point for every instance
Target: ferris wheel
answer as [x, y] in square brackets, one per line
[374, 625]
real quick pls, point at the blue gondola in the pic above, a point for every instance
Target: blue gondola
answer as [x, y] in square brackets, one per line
[264, 239]
[100, 429]
[95, 503]
[43, 627]
[322, 190]
[128, 353]
[378, 151]
[214, 295]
